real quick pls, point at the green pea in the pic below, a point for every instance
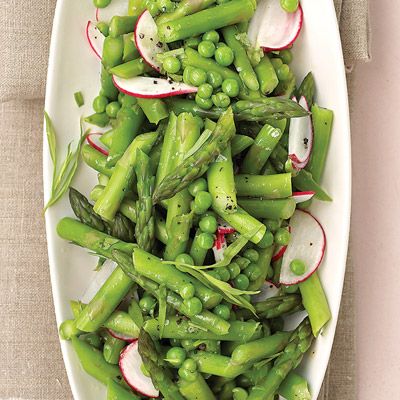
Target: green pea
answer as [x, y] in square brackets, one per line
[197, 186]
[188, 344]
[184, 259]
[290, 6]
[202, 202]
[101, 3]
[221, 44]
[267, 240]
[206, 241]
[129, 101]
[224, 274]
[242, 262]
[206, 48]
[212, 36]
[175, 342]
[231, 87]
[297, 267]
[286, 56]
[198, 77]
[112, 109]
[224, 56]
[176, 356]
[221, 100]
[222, 311]
[214, 79]
[192, 42]
[253, 272]
[205, 91]
[100, 104]
[241, 282]
[187, 291]
[205, 104]
[186, 74]
[172, 65]
[103, 28]
[239, 394]
[193, 306]
[190, 365]
[214, 274]
[234, 270]
[252, 255]
[121, 97]
[283, 72]
[276, 63]
[187, 375]
[282, 237]
[208, 224]
[147, 303]
[272, 224]
[165, 5]
[291, 289]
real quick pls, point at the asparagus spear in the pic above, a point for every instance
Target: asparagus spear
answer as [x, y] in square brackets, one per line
[121, 227]
[295, 387]
[110, 200]
[196, 390]
[197, 164]
[185, 7]
[299, 343]
[225, 14]
[156, 366]
[145, 225]
[244, 110]
[307, 89]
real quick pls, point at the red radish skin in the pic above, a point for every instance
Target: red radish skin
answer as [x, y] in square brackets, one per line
[93, 141]
[268, 290]
[308, 243]
[119, 336]
[152, 88]
[116, 7]
[129, 364]
[300, 197]
[147, 41]
[279, 253]
[95, 39]
[274, 29]
[219, 247]
[301, 136]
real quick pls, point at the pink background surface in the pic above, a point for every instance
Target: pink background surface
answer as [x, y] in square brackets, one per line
[376, 208]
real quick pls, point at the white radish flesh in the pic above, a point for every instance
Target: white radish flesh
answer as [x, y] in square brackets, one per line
[307, 243]
[268, 290]
[95, 39]
[130, 364]
[147, 41]
[272, 28]
[301, 138]
[152, 88]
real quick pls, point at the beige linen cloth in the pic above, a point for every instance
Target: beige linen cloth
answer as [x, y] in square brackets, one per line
[31, 366]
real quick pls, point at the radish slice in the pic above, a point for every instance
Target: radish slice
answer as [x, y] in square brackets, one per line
[116, 7]
[130, 362]
[307, 243]
[120, 336]
[301, 138]
[273, 28]
[219, 247]
[147, 41]
[280, 251]
[152, 88]
[301, 197]
[268, 290]
[98, 281]
[95, 38]
[94, 140]
[224, 228]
